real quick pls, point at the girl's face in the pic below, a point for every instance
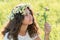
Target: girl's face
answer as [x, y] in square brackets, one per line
[28, 18]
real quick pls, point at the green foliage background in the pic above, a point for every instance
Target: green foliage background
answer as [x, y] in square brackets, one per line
[38, 7]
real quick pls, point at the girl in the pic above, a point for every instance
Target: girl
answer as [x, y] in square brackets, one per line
[22, 25]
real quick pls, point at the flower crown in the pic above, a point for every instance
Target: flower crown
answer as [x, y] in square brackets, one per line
[19, 8]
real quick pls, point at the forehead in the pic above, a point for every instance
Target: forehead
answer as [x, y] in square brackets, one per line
[27, 10]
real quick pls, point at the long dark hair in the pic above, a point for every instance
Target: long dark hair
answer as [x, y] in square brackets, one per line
[14, 25]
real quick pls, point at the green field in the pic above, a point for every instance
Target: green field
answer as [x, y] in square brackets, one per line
[38, 8]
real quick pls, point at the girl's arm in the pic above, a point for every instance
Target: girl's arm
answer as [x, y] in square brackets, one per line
[47, 29]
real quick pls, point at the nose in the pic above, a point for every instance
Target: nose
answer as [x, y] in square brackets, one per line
[30, 17]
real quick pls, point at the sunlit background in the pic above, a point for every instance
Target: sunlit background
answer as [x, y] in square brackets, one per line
[39, 8]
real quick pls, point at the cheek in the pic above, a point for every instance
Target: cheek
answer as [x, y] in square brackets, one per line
[26, 20]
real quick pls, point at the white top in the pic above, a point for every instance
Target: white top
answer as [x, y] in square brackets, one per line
[26, 37]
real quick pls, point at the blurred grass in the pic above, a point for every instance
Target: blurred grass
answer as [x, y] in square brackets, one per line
[38, 7]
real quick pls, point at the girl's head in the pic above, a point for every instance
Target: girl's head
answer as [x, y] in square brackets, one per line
[21, 15]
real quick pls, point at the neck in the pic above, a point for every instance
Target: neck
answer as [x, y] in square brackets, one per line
[23, 29]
